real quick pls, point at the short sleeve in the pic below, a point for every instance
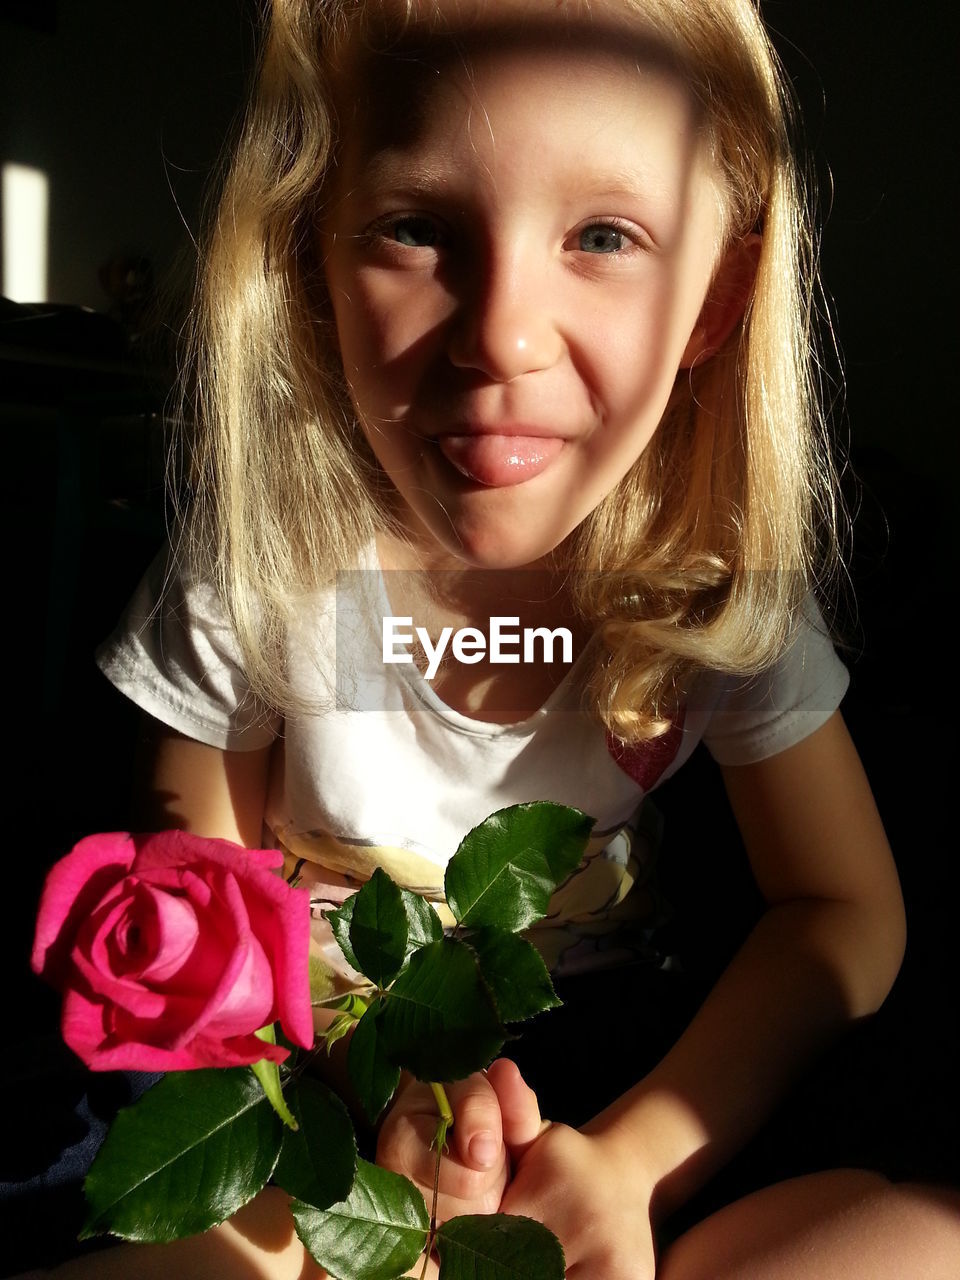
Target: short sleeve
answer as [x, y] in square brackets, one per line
[762, 715]
[176, 656]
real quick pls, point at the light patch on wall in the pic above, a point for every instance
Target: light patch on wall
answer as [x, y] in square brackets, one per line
[26, 198]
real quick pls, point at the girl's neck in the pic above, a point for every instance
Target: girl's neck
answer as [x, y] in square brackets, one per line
[440, 585]
[448, 593]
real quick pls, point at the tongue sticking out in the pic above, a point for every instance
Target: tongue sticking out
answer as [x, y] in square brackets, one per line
[499, 461]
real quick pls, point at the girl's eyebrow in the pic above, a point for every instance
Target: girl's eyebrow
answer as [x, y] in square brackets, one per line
[634, 183]
[390, 171]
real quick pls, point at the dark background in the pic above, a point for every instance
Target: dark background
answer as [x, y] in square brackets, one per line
[125, 104]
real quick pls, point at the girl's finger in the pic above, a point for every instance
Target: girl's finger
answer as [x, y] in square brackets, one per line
[519, 1109]
[477, 1129]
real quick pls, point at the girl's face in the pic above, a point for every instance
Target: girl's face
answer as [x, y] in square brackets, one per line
[519, 240]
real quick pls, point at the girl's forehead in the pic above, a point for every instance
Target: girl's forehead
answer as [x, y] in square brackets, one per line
[390, 64]
[434, 31]
[488, 91]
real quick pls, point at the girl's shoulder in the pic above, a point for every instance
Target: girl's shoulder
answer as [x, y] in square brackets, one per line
[175, 654]
[748, 718]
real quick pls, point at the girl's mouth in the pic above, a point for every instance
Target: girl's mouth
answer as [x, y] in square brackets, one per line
[499, 461]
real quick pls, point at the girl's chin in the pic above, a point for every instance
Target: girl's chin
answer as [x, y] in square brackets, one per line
[485, 529]
[486, 549]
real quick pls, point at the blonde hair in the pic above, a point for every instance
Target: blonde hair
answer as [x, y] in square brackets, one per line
[702, 555]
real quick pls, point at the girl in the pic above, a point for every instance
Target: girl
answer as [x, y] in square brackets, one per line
[506, 316]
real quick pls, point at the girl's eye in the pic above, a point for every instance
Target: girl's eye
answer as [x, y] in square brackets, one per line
[413, 231]
[602, 237]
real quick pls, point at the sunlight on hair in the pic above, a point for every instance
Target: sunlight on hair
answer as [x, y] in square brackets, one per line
[26, 198]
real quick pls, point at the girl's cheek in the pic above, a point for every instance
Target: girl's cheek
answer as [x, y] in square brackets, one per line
[399, 327]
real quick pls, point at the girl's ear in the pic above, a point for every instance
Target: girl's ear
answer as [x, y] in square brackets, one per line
[726, 301]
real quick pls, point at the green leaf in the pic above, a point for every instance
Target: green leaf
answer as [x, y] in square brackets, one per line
[268, 1073]
[505, 869]
[372, 1074]
[423, 926]
[514, 971]
[192, 1151]
[423, 923]
[340, 922]
[341, 1026]
[439, 1020]
[349, 1010]
[353, 1005]
[376, 1233]
[378, 931]
[318, 1161]
[498, 1247]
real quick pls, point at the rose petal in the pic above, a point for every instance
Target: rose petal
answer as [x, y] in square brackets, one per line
[103, 1049]
[240, 1051]
[235, 960]
[203, 969]
[82, 1024]
[250, 1001]
[107, 936]
[181, 848]
[193, 881]
[73, 888]
[91, 955]
[176, 932]
[176, 1015]
[280, 917]
[124, 995]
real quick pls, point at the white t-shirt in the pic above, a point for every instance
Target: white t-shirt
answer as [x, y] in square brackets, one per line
[386, 774]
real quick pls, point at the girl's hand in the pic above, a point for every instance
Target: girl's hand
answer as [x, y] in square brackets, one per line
[598, 1208]
[493, 1113]
[595, 1200]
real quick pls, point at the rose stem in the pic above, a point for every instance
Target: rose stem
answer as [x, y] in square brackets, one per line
[444, 1124]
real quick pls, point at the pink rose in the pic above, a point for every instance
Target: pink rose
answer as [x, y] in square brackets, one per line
[172, 950]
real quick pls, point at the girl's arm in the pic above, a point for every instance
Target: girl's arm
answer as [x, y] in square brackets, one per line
[186, 784]
[826, 950]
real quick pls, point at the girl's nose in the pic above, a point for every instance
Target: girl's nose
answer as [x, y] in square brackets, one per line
[504, 326]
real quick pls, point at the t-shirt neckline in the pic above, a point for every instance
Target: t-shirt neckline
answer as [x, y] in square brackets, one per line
[424, 692]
